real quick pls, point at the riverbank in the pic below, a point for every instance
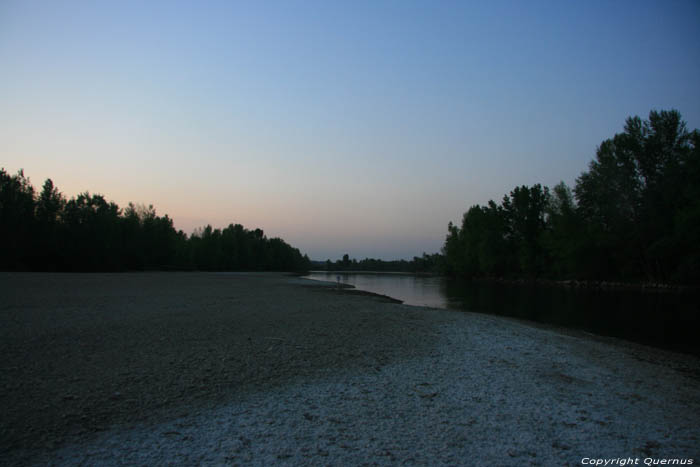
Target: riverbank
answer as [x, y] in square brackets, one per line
[596, 284]
[83, 352]
[536, 281]
[263, 368]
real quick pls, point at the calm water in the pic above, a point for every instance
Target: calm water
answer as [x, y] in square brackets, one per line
[667, 320]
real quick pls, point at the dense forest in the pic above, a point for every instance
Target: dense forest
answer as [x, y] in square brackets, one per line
[633, 216]
[45, 232]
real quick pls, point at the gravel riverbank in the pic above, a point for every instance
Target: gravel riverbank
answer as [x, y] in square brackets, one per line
[266, 369]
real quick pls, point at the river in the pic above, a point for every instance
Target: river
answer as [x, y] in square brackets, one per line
[662, 319]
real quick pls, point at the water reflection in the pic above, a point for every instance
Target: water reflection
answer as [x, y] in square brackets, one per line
[668, 320]
[413, 290]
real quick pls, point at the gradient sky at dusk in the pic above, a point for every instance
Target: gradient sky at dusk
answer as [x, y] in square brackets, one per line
[358, 127]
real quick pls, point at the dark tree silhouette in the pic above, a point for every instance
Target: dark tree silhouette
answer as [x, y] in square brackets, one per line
[17, 222]
[425, 264]
[637, 197]
[636, 216]
[88, 233]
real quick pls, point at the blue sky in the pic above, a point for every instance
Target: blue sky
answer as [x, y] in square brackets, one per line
[358, 127]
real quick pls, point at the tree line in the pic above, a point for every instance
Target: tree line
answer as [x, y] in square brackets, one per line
[430, 264]
[633, 216]
[46, 232]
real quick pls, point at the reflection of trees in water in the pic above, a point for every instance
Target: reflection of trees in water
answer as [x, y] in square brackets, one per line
[656, 318]
[661, 319]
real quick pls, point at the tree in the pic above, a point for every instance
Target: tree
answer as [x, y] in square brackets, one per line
[525, 214]
[89, 233]
[17, 222]
[563, 238]
[49, 232]
[49, 204]
[93, 242]
[632, 194]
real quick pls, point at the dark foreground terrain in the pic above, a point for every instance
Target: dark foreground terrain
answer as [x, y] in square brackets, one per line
[264, 369]
[81, 352]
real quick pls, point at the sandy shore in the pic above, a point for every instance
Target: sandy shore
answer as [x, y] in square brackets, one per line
[245, 369]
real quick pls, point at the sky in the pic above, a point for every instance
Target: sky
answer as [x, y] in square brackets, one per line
[342, 127]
